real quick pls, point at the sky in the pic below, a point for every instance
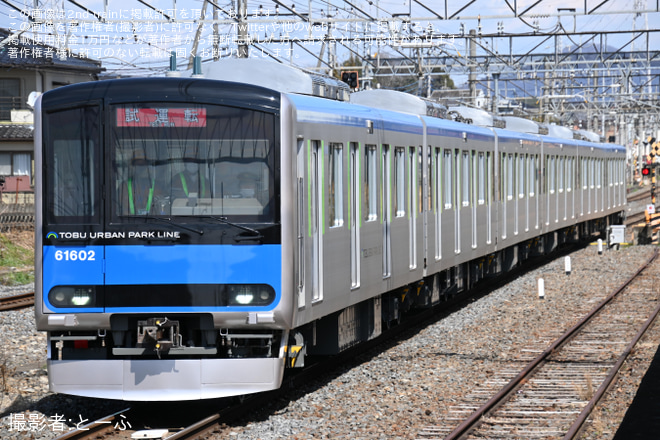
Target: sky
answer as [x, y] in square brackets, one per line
[132, 37]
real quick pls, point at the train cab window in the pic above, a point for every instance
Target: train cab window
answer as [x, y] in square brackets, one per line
[371, 183]
[336, 188]
[72, 153]
[399, 182]
[192, 161]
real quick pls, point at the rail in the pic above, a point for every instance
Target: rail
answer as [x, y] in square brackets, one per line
[15, 302]
[497, 402]
[96, 429]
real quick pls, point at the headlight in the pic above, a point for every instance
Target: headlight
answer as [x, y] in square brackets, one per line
[72, 296]
[250, 294]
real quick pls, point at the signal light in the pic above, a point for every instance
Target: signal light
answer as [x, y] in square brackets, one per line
[351, 78]
[646, 170]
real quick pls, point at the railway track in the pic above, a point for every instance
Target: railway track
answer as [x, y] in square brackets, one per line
[110, 425]
[552, 395]
[15, 302]
[644, 193]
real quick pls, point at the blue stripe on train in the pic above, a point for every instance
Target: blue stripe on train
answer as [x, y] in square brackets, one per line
[179, 264]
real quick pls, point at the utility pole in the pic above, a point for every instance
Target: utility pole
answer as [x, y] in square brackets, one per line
[472, 78]
[243, 47]
[193, 51]
[496, 92]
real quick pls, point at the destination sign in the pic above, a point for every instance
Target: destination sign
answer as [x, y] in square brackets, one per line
[161, 117]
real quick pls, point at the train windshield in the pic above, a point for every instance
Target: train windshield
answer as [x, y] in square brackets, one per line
[73, 178]
[192, 161]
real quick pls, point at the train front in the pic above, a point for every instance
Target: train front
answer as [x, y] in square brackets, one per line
[159, 256]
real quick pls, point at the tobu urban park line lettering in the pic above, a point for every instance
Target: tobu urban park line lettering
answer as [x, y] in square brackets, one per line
[109, 235]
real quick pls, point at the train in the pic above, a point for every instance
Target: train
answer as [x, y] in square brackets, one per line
[198, 236]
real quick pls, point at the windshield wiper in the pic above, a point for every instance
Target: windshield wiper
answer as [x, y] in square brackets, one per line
[165, 220]
[256, 235]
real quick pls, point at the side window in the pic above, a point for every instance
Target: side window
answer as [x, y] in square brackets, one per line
[414, 177]
[465, 179]
[481, 182]
[437, 182]
[10, 94]
[371, 183]
[429, 179]
[490, 170]
[399, 182]
[336, 189]
[521, 176]
[448, 179]
[531, 174]
[509, 177]
[551, 175]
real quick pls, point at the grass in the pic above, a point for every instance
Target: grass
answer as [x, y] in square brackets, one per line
[16, 268]
[17, 258]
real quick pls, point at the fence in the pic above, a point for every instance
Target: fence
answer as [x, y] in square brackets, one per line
[16, 217]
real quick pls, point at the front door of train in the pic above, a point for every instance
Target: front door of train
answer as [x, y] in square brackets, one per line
[70, 222]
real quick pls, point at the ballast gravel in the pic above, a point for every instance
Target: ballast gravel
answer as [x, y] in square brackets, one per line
[393, 393]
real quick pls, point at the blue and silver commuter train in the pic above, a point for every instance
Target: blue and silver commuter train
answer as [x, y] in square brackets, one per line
[197, 236]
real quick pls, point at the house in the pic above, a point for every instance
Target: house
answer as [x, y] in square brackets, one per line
[28, 66]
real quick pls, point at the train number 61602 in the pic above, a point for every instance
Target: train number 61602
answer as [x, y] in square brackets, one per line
[75, 255]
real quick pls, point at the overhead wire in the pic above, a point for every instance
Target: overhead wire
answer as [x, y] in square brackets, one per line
[338, 10]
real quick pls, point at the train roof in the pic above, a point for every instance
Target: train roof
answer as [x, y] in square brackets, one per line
[523, 125]
[586, 135]
[475, 116]
[312, 109]
[560, 132]
[276, 76]
[315, 110]
[398, 101]
[193, 90]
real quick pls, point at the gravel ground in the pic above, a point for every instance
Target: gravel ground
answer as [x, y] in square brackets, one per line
[27, 409]
[390, 394]
[415, 383]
